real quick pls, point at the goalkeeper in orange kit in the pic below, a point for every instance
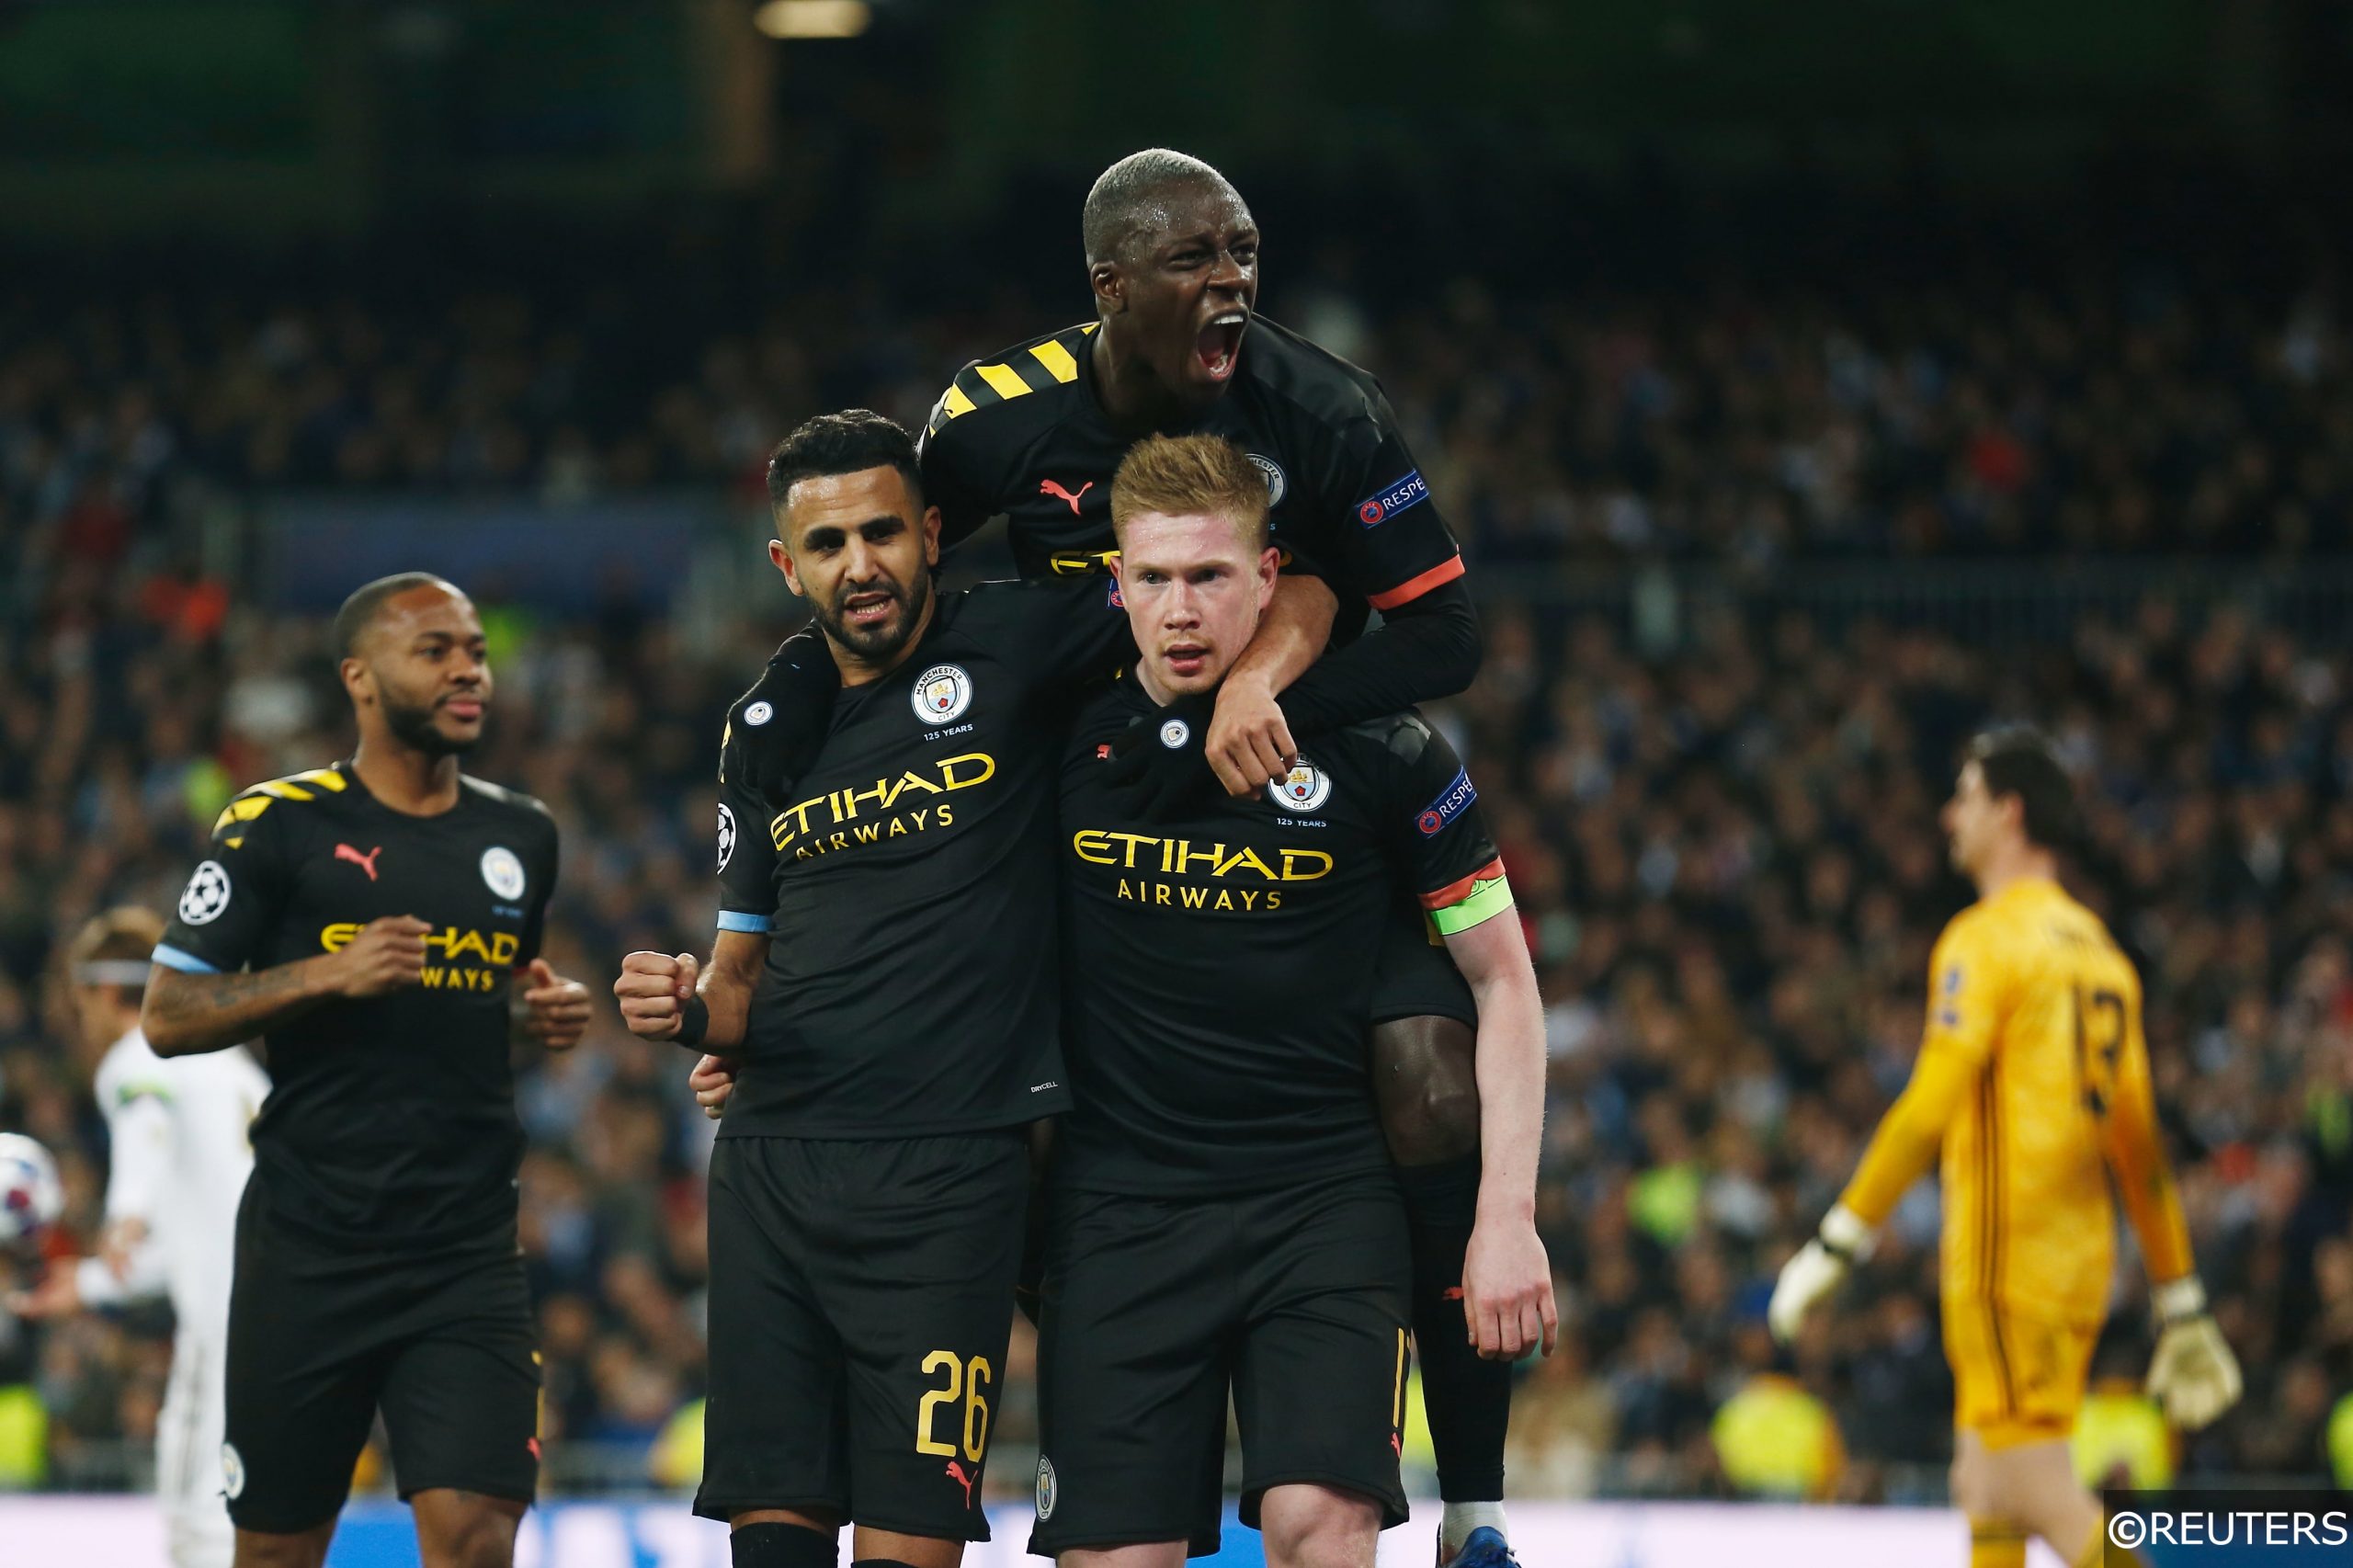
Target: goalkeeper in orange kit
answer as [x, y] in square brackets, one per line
[2033, 1077]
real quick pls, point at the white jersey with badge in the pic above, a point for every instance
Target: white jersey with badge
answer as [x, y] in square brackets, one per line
[181, 1152]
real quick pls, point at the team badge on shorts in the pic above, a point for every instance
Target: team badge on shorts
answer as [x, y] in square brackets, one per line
[232, 1471]
[1175, 733]
[1304, 788]
[726, 835]
[942, 693]
[207, 894]
[1046, 1490]
[503, 872]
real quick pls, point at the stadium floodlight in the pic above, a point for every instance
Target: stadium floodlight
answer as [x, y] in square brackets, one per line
[813, 18]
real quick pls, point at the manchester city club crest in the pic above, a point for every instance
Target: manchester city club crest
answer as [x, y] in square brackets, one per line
[942, 693]
[1304, 788]
[1276, 483]
[503, 872]
[1047, 1489]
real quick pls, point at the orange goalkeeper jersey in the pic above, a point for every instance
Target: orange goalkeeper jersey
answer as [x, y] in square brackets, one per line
[2034, 1076]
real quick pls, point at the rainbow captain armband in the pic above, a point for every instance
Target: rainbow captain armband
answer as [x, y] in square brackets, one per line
[1472, 901]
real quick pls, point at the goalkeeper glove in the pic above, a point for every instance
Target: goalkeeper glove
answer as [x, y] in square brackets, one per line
[1818, 1269]
[1158, 762]
[2193, 1376]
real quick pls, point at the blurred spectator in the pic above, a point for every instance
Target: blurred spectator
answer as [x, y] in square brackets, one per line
[1776, 1439]
[1719, 805]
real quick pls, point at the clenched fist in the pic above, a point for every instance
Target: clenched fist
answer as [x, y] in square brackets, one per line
[653, 991]
[388, 953]
[1249, 743]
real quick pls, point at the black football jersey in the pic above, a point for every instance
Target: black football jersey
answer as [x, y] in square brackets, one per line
[1025, 434]
[390, 1119]
[908, 890]
[1219, 969]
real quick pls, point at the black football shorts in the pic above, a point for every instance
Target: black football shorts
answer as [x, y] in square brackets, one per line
[1155, 1309]
[861, 1297]
[323, 1336]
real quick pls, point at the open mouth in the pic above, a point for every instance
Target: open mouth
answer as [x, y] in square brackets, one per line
[1219, 346]
[868, 610]
[1186, 659]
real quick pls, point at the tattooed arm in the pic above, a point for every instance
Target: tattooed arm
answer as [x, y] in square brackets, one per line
[188, 1013]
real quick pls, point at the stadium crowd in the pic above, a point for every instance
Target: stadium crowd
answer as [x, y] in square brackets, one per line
[1918, 424]
[1724, 842]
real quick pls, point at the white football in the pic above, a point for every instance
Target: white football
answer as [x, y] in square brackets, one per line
[30, 1194]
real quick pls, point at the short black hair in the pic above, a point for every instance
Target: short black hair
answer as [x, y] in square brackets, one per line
[849, 442]
[1124, 193]
[359, 611]
[2018, 759]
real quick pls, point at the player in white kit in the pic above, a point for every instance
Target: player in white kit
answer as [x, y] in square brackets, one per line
[177, 1165]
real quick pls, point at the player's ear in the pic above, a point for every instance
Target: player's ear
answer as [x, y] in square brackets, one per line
[1110, 289]
[359, 680]
[1271, 563]
[781, 559]
[931, 536]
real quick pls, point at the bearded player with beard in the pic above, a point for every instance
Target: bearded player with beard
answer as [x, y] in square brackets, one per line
[376, 924]
[1174, 345]
[886, 965]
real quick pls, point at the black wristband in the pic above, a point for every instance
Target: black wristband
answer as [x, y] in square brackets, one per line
[694, 1021]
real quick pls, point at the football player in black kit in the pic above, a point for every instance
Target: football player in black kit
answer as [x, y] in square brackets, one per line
[377, 923]
[886, 969]
[1224, 1216]
[1034, 433]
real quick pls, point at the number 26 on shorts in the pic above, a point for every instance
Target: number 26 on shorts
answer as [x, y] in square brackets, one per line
[962, 1380]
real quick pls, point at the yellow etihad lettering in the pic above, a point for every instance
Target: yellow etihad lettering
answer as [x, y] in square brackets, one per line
[868, 832]
[1170, 895]
[435, 977]
[1179, 857]
[837, 806]
[1186, 857]
[1248, 856]
[496, 949]
[1297, 861]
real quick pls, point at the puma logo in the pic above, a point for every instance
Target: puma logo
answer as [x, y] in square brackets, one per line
[956, 1470]
[365, 862]
[1053, 488]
